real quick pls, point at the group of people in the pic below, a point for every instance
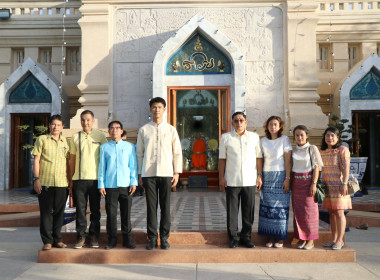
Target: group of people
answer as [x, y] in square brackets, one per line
[283, 173]
[91, 168]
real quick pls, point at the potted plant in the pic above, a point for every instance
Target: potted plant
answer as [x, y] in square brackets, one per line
[349, 135]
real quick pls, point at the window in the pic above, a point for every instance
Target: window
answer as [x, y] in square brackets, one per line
[341, 6]
[369, 5]
[44, 57]
[360, 6]
[325, 58]
[73, 60]
[17, 57]
[353, 55]
[322, 7]
[350, 5]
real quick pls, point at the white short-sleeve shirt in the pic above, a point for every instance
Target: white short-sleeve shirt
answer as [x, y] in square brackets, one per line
[240, 153]
[273, 152]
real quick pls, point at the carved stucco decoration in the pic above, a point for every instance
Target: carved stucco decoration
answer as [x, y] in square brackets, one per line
[258, 32]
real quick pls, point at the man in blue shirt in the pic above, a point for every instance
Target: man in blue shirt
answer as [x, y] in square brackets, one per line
[117, 180]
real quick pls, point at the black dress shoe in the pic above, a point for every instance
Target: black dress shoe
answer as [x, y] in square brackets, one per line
[151, 244]
[165, 244]
[247, 243]
[110, 246]
[234, 243]
[128, 244]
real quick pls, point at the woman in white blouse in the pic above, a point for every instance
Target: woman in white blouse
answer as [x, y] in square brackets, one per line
[274, 194]
[307, 163]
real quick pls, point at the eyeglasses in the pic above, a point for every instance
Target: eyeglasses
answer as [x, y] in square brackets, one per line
[239, 120]
[115, 128]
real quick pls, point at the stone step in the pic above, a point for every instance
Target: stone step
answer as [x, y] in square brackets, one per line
[207, 237]
[366, 206]
[29, 219]
[195, 247]
[356, 218]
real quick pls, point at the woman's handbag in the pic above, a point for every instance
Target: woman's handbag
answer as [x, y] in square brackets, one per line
[320, 194]
[353, 184]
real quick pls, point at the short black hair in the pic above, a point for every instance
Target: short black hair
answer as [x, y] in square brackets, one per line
[157, 100]
[124, 133]
[111, 123]
[239, 113]
[55, 117]
[301, 127]
[85, 112]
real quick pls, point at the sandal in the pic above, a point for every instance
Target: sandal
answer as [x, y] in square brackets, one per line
[269, 244]
[301, 246]
[279, 244]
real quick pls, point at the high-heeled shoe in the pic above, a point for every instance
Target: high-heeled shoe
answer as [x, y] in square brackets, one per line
[328, 245]
[334, 247]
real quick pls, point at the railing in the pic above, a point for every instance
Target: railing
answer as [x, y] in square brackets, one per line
[349, 6]
[44, 9]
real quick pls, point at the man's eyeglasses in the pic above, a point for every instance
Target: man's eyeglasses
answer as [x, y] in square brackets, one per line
[239, 120]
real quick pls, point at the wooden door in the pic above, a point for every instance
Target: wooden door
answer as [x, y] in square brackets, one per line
[21, 143]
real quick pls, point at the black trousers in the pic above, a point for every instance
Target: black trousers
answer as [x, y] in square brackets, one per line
[235, 196]
[52, 201]
[113, 197]
[83, 191]
[157, 189]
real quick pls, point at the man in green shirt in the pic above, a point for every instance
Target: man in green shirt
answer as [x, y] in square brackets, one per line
[84, 161]
[50, 182]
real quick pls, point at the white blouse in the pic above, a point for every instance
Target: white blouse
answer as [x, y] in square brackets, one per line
[273, 152]
[303, 161]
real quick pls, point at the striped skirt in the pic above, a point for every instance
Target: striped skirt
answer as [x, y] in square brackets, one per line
[305, 210]
[274, 206]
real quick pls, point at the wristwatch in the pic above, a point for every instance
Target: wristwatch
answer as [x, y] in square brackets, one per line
[35, 179]
[260, 174]
[314, 182]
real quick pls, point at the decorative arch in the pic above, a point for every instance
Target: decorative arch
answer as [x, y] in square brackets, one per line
[30, 90]
[360, 91]
[199, 24]
[27, 73]
[198, 56]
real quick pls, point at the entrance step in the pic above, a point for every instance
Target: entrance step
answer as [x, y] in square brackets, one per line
[357, 218]
[195, 247]
[366, 206]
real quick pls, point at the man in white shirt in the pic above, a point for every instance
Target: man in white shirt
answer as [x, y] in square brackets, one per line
[159, 158]
[240, 171]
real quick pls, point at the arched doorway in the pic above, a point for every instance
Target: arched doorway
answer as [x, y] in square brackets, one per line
[30, 95]
[202, 73]
[360, 105]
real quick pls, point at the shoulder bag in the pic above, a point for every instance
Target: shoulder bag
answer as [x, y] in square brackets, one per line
[320, 194]
[353, 184]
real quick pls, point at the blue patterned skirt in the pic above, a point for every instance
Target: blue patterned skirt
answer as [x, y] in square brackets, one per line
[274, 206]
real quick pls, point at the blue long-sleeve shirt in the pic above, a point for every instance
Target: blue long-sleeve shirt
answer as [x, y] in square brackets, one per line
[117, 165]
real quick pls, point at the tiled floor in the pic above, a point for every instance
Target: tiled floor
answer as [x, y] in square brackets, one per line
[191, 209]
